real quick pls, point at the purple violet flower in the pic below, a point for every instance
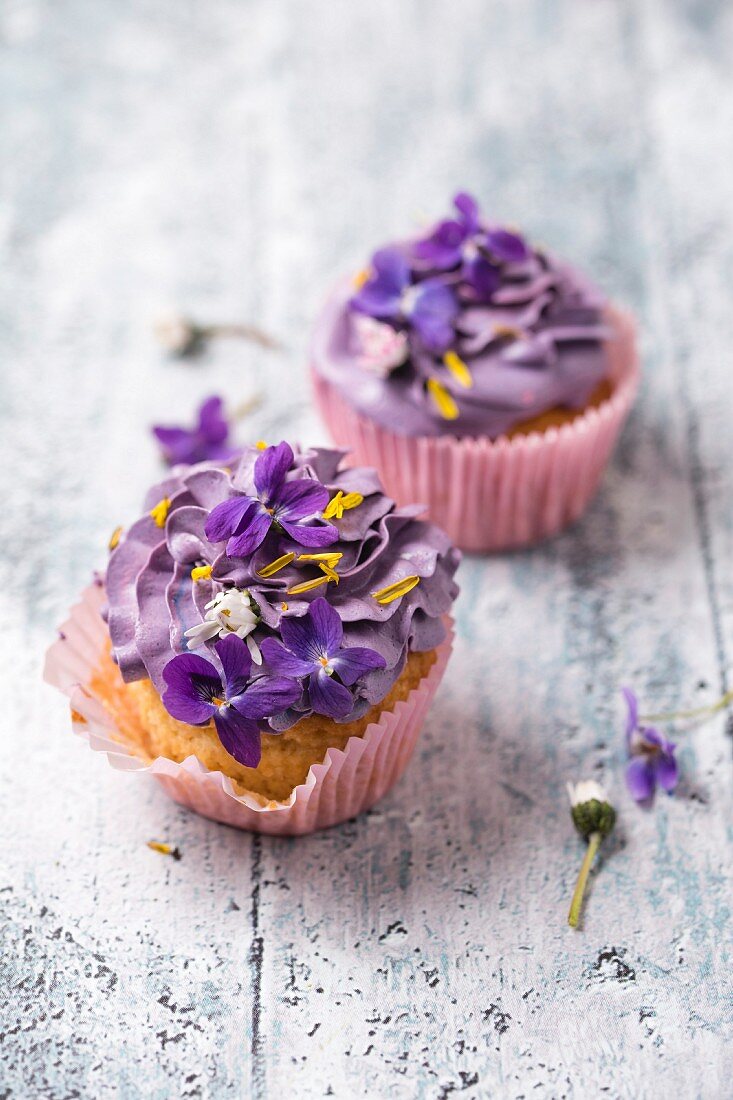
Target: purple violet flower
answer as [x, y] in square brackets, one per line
[464, 243]
[652, 762]
[206, 441]
[293, 506]
[311, 647]
[197, 692]
[429, 307]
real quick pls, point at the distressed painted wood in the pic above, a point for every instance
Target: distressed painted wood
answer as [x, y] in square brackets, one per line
[230, 159]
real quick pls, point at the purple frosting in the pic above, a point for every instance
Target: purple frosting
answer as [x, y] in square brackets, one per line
[532, 336]
[153, 600]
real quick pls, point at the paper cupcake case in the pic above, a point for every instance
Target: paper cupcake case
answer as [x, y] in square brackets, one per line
[502, 494]
[347, 782]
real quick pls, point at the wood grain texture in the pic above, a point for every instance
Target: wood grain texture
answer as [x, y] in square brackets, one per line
[231, 159]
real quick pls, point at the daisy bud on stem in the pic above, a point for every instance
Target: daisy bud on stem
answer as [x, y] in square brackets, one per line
[594, 817]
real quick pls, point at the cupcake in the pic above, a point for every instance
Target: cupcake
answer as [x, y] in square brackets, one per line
[266, 639]
[480, 375]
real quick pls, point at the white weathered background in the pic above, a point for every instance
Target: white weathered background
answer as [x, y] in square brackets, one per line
[231, 158]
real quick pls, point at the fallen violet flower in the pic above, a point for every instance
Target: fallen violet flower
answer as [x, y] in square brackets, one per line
[294, 507]
[653, 761]
[312, 651]
[594, 818]
[198, 692]
[208, 440]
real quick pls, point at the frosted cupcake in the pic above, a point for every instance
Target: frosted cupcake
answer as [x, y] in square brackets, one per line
[274, 633]
[480, 375]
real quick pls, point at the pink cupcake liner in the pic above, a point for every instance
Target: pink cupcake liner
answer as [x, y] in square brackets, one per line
[500, 494]
[347, 782]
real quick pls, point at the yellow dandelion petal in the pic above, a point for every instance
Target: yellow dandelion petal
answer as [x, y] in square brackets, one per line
[332, 558]
[335, 508]
[329, 571]
[307, 586]
[396, 590]
[114, 539]
[160, 512]
[458, 369]
[261, 445]
[352, 500]
[361, 277]
[163, 848]
[283, 606]
[276, 565]
[341, 503]
[201, 572]
[444, 402]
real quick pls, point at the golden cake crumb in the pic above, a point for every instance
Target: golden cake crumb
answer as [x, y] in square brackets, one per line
[150, 731]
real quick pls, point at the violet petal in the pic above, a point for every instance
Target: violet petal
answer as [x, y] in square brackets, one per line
[298, 636]
[245, 543]
[640, 779]
[236, 662]
[506, 246]
[354, 661]
[467, 207]
[266, 696]
[279, 660]
[301, 499]
[240, 736]
[632, 704]
[666, 771]
[177, 443]
[328, 696]
[326, 626]
[228, 518]
[192, 681]
[313, 535]
[213, 425]
[270, 469]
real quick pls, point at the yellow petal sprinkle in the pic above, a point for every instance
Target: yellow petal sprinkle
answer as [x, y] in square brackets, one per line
[307, 586]
[164, 849]
[361, 277]
[201, 572]
[443, 400]
[276, 565]
[261, 445]
[114, 539]
[329, 571]
[396, 590]
[458, 369]
[160, 512]
[341, 503]
[283, 606]
[334, 509]
[329, 559]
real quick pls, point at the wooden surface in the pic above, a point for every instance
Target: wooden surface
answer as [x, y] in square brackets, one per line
[231, 158]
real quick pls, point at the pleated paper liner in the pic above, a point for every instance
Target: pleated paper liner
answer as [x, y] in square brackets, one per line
[502, 494]
[347, 782]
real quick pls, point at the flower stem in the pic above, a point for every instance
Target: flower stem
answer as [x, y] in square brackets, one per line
[247, 406]
[594, 843]
[245, 332]
[697, 712]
